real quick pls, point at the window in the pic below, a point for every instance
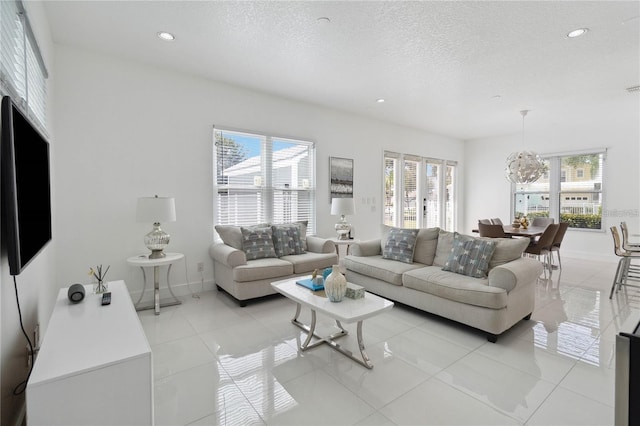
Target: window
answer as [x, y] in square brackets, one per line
[22, 71]
[571, 192]
[418, 192]
[261, 178]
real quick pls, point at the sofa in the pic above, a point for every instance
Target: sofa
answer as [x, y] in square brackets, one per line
[484, 283]
[250, 258]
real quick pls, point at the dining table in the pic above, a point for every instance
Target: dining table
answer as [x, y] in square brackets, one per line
[530, 231]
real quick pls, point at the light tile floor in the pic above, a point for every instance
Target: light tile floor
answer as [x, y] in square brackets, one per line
[217, 363]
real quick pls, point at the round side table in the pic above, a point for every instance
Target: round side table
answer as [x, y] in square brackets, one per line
[143, 261]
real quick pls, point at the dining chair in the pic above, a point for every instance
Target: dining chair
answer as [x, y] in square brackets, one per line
[496, 221]
[491, 231]
[485, 221]
[557, 241]
[541, 221]
[542, 247]
[626, 271]
[626, 244]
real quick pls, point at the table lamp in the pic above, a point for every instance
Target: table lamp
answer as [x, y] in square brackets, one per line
[342, 207]
[155, 210]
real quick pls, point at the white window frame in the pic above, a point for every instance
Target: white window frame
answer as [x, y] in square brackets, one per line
[421, 191]
[265, 183]
[556, 195]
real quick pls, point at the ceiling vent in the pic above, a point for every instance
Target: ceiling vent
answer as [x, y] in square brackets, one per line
[633, 89]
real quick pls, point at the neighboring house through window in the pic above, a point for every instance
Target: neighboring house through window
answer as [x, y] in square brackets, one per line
[263, 179]
[570, 192]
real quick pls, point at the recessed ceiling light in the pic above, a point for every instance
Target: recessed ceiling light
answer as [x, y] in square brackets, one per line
[324, 20]
[380, 100]
[496, 97]
[577, 32]
[163, 35]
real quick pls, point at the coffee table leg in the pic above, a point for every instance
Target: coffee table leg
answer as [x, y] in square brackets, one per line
[330, 340]
[365, 357]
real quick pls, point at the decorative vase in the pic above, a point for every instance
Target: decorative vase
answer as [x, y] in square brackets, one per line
[100, 287]
[335, 285]
[515, 224]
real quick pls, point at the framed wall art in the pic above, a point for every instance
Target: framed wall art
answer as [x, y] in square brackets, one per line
[341, 177]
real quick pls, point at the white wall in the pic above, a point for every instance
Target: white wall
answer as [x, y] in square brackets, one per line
[36, 285]
[125, 130]
[490, 195]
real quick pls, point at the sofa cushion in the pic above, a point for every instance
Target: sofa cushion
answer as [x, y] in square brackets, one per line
[507, 250]
[261, 269]
[426, 245]
[400, 245]
[286, 240]
[257, 243]
[309, 261]
[456, 287]
[470, 256]
[377, 267]
[231, 235]
[443, 250]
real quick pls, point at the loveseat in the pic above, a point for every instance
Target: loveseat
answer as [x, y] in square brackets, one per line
[481, 282]
[250, 258]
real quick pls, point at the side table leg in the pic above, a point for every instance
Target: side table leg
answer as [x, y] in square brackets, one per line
[144, 287]
[169, 285]
[156, 289]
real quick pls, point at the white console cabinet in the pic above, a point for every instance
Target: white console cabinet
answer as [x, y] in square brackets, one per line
[94, 366]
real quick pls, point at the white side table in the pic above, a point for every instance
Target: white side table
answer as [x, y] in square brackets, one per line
[143, 261]
[339, 243]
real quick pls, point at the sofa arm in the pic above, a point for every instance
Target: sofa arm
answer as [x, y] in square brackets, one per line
[227, 255]
[366, 248]
[320, 245]
[519, 271]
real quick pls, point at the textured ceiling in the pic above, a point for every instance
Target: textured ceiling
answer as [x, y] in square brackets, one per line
[438, 64]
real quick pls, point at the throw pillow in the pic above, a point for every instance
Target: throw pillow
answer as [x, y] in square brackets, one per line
[257, 243]
[443, 249]
[232, 236]
[400, 245]
[470, 256]
[302, 225]
[286, 240]
[426, 245]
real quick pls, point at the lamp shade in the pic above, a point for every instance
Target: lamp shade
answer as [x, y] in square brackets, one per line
[342, 206]
[156, 209]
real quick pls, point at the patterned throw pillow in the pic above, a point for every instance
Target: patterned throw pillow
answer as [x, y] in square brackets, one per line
[286, 240]
[470, 256]
[400, 245]
[257, 243]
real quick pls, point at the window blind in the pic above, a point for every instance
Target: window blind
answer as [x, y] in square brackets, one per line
[263, 179]
[22, 71]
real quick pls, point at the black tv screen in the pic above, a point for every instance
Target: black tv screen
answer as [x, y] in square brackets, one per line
[26, 189]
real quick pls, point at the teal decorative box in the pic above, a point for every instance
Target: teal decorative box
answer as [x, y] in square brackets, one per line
[354, 291]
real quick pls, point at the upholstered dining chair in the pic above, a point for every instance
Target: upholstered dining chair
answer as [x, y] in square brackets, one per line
[492, 231]
[557, 241]
[626, 271]
[496, 221]
[626, 244]
[541, 221]
[542, 247]
[485, 221]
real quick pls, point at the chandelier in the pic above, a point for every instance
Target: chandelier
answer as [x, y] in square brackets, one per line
[524, 166]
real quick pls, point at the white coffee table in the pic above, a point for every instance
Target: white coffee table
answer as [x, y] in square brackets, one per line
[347, 311]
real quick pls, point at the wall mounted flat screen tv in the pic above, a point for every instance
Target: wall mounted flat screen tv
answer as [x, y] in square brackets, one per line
[26, 189]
